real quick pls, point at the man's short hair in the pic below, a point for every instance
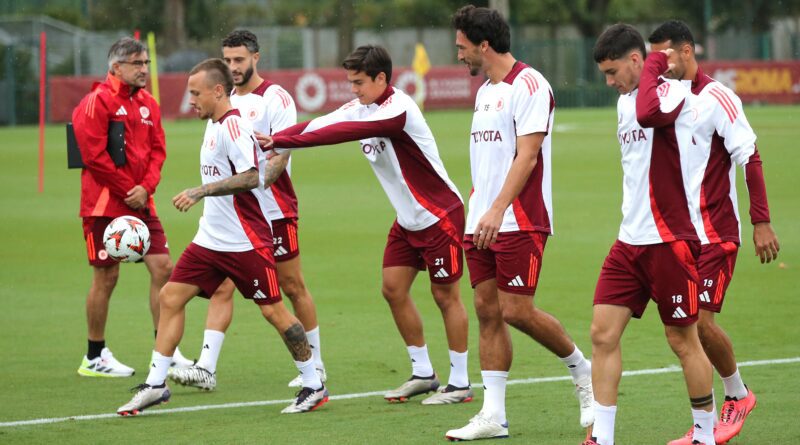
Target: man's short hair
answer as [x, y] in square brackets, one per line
[241, 37]
[217, 72]
[617, 41]
[480, 24]
[676, 31]
[371, 59]
[124, 48]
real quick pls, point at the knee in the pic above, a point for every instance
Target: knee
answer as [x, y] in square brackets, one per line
[167, 300]
[445, 297]
[163, 270]
[106, 278]
[705, 326]
[392, 293]
[681, 341]
[603, 337]
[487, 310]
[293, 287]
[514, 315]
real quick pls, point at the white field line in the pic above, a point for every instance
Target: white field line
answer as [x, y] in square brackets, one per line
[669, 369]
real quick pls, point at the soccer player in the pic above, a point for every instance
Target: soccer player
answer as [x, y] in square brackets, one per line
[401, 150]
[108, 191]
[233, 241]
[723, 138]
[510, 215]
[654, 256]
[270, 109]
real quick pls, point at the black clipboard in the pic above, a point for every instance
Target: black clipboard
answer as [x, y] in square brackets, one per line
[115, 145]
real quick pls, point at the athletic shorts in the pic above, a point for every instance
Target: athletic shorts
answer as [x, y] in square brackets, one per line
[94, 226]
[715, 267]
[252, 271]
[666, 273]
[284, 239]
[437, 248]
[514, 260]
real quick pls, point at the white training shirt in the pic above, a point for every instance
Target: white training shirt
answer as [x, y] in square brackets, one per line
[270, 109]
[519, 105]
[656, 206]
[232, 223]
[400, 148]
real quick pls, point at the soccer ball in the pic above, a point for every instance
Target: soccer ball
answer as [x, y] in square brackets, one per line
[126, 239]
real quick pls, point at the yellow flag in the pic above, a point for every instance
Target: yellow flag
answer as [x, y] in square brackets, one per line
[151, 43]
[421, 63]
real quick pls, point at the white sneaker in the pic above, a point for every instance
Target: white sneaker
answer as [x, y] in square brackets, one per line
[307, 400]
[195, 376]
[449, 395]
[583, 391]
[104, 366]
[479, 427]
[412, 387]
[297, 382]
[179, 361]
[145, 397]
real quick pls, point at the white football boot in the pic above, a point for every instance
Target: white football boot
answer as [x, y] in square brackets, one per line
[145, 397]
[104, 366]
[479, 427]
[297, 382]
[307, 400]
[195, 376]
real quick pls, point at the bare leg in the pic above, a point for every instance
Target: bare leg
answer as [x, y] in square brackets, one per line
[160, 268]
[290, 278]
[608, 324]
[396, 286]
[172, 301]
[494, 339]
[220, 307]
[519, 312]
[685, 342]
[716, 344]
[104, 279]
[448, 298]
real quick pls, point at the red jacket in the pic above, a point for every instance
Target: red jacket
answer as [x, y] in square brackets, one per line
[104, 186]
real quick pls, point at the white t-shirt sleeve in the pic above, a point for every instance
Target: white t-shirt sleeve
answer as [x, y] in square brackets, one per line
[241, 145]
[671, 94]
[282, 110]
[530, 104]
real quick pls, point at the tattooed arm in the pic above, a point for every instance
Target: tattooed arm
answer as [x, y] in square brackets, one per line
[240, 182]
[296, 341]
[275, 166]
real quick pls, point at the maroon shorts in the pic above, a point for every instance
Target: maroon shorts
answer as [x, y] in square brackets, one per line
[715, 267]
[666, 273]
[437, 247]
[514, 260]
[94, 226]
[284, 239]
[252, 271]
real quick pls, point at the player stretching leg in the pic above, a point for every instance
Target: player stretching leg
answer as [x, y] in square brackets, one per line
[233, 241]
[401, 150]
[270, 109]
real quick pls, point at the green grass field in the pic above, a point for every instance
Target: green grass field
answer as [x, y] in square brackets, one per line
[345, 217]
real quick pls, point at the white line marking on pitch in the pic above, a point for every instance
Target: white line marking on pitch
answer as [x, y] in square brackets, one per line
[360, 395]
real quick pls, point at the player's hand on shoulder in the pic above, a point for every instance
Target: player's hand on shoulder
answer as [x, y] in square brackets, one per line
[765, 242]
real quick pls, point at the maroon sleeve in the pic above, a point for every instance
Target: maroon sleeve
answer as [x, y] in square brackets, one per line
[648, 105]
[756, 187]
[294, 129]
[90, 122]
[342, 132]
[158, 151]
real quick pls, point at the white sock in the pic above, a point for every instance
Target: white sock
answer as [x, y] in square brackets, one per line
[578, 366]
[309, 374]
[458, 369]
[316, 348]
[494, 395]
[604, 417]
[705, 421]
[734, 386]
[158, 369]
[714, 408]
[212, 346]
[420, 362]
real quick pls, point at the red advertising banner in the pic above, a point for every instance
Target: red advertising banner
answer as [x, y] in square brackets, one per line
[316, 91]
[757, 81]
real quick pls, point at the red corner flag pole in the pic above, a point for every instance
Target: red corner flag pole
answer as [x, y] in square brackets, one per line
[42, 96]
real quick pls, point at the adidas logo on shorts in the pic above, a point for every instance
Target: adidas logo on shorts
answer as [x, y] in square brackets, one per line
[516, 282]
[442, 273]
[704, 297]
[679, 313]
[280, 251]
[259, 295]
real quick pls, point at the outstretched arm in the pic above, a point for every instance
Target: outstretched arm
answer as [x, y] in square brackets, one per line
[240, 182]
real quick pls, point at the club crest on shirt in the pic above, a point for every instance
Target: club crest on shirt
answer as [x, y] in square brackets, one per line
[211, 143]
[499, 105]
[252, 114]
[144, 111]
